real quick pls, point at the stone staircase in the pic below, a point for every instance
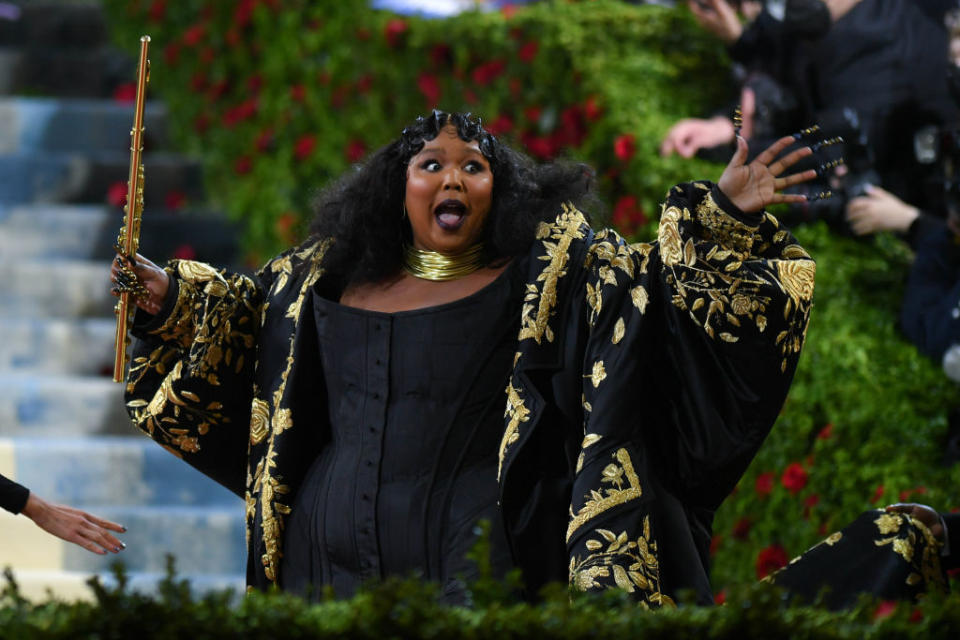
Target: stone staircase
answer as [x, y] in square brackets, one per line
[63, 429]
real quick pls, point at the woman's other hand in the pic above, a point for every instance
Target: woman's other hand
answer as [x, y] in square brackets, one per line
[689, 135]
[880, 210]
[923, 513]
[81, 528]
[717, 17]
[752, 187]
[154, 280]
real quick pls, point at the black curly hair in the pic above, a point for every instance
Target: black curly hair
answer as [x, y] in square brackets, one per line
[362, 210]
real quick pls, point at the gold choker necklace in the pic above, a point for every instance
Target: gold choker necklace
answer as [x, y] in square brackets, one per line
[438, 267]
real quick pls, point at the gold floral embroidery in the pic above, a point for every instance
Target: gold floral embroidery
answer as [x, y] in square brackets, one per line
[597, 502]
[259, 420]
[619, 329]
[888, 523]
[632, 564]
[556, 240]
[517, 412]
[598, 375]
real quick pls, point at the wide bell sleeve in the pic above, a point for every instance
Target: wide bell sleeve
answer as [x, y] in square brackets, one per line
[190, 384]
[693, 341]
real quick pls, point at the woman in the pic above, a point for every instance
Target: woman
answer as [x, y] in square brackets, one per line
[353, 392]
[79, 527]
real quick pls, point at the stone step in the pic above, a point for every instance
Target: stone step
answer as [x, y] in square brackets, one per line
[76, 232]
[55, 288]
[71, 586]
[115, 471]
[39, 176]
[204, 540]
[68, 72]
[52, 24]
[76, 125]
[52, 405]
[57, 346]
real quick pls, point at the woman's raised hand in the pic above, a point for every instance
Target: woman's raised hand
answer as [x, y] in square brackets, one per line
[79, 527]
[754, 186]
[139, 274]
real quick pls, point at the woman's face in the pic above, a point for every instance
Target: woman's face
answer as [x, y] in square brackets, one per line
[449, 190]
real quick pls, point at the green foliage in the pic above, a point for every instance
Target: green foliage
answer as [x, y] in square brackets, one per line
[885, 405]
[279, 99]
[411, 609]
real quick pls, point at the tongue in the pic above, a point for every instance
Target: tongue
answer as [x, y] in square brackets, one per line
[449, 218]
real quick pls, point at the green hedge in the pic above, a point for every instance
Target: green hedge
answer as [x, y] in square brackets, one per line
[278, 98]
[409, 609]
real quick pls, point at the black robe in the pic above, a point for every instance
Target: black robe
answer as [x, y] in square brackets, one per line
[645, 380]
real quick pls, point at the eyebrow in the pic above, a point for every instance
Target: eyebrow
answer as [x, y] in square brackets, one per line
[443, 151]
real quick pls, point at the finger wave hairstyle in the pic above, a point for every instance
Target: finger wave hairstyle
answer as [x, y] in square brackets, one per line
[363, 209]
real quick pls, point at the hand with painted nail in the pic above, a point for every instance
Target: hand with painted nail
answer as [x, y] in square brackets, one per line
[921, 512]
[880, 210]
[753, 187]
[689, 135]
[148, 282]
[718, 17]
[79, 527]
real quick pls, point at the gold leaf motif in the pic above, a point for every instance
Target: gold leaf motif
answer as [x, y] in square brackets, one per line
[689, 253]
[671, 245]
[598, 374]
[888, 523]
[590, 439]
[593, 545]
[726, 337]
[619, 329]
[639, 297]
[833, 538]
[259, 421]
[797, 278]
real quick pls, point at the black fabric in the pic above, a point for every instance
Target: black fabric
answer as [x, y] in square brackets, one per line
[930, 311]
[411, 465]
[888, 556]
[13, 496]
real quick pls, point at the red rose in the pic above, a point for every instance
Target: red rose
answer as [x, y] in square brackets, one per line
[503, 124]
[715, 544]
[721, 597]
[528, 51]
[355, 151]
[794, 477]
[827, 432]
[440, 55]
[240, 112]
[284, 226]
[117, 194]
[255, 82]
[877, 493]
[508, 11]
[574, 128]
[624, 146]
[771, 559]
[811, 501]
[175, 199]
[194, 34]
[488, 72]
[264, 140]
[916, 616]
[741, 528]
[157, 10]
[243, 12]
[243, 165]
[430, 88]
[627, 215]
[364, 83]
[304, 146]
[298, 92]
[184, 252]
[533, 113]
[540, 146]
[591, 109]
[884, 610]
[126, 92]
[171, 53]
[394, 31]
[764, 484]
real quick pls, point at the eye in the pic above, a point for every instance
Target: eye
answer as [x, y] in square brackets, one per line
[474, 166]
[430, 165]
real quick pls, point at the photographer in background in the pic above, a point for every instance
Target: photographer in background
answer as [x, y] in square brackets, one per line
[868, 70]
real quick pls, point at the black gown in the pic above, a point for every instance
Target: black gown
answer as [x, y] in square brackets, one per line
[411, 465]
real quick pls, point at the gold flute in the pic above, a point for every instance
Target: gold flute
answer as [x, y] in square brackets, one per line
[128, 241]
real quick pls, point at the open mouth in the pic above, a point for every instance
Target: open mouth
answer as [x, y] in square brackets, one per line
[450, 214]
